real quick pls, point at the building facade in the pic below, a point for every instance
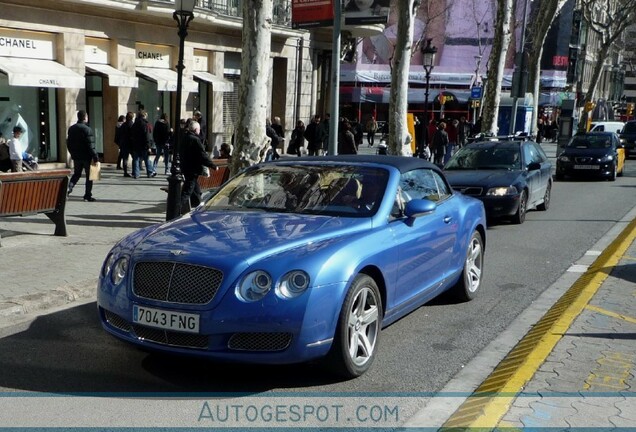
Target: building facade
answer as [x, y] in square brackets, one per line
[110, 57]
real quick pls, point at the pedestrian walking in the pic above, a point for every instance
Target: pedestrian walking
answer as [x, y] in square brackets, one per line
[439, 143]
[463, 132]
[323, 131]
[120, 121]
[193, 159]
[125, 141]
[453, 133]
[15, 149]
[276, 140]
[347, 142]
[358, 132]
[314, 137]
[161, 134]
[372, 128]
[297, 139]
[203, 125]
[141, 134]
[81, 145]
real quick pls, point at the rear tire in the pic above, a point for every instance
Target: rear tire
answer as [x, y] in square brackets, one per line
[470, 280]
[358, 330]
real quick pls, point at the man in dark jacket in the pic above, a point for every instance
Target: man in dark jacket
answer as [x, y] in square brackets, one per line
[193, 159]
[313, 136]
[81, 145]
[125, 141]
[141, 134]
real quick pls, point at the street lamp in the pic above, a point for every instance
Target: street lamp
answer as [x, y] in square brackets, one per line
[183, 14]
[428, 61]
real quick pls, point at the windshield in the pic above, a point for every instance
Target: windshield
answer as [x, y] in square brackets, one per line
[338, 190]
[476, 158]
[630, 128]
[591, 142]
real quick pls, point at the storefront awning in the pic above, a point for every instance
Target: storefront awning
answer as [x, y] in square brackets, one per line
[218, 83]
[39, 73]
[116, 78]
[166, 79]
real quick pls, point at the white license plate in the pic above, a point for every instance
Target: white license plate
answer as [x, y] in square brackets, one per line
[587, 167]
[167, 320]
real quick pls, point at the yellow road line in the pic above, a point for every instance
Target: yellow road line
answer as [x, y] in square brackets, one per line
[611, 314]
[492, 399]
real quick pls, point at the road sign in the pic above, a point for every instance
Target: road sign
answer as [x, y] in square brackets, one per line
[475, 92]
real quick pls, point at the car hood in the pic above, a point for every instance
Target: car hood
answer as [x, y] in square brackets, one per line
[483, 178]
[231, 237]
[590, 152]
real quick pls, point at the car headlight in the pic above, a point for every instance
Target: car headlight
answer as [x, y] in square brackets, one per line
[564, 158]
[294, 283]
[502, 191]
[119, 270]
[108, 264]
[606, 158]
[254, 286]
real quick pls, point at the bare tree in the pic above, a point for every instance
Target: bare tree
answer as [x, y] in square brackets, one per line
[496, 63]
[251, 142]
[399, 137]
[541, 22]
[606, 19]
[405, 47]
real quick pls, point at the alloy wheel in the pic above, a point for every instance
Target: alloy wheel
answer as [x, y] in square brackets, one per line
[363, 326]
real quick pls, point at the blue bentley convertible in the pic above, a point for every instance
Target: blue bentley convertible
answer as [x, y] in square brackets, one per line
[295, 260]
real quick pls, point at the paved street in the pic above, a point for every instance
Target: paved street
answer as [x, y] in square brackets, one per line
[587, 377]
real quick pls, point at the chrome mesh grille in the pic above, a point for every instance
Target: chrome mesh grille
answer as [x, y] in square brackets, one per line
[469, 190]
[165, 337]
[117, 321]
[259, 341]
[176, 282]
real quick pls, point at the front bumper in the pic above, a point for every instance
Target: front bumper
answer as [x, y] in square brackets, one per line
[500, 206]
[265, 332]
[592, 169]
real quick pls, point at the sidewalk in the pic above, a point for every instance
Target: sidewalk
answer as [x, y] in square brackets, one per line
[41, 271]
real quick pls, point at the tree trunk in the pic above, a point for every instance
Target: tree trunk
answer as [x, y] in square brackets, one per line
[399, 137]
[591, 90]
[548, 10]
[496, 62]
[250, 140]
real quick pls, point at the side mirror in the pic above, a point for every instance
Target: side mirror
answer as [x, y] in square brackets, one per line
[419, 207]
[533, 166]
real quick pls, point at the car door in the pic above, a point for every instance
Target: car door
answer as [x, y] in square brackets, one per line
[534, 180]
[425, 243]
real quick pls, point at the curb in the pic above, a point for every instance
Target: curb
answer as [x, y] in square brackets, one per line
[33, 303]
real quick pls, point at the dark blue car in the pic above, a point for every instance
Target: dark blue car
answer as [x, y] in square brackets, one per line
[509, 177]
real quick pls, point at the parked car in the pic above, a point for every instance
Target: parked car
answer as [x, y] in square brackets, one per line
[594, 154]
[607, 126]
[296, 260]
[509, 177]
[628, 138]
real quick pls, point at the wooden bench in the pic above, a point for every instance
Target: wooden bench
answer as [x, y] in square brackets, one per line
[217, 177]
[34, 192]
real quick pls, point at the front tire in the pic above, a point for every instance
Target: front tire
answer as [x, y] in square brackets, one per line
[520, 216]
[546, 198]
[358, 330]
[470, 280]
[614, 172]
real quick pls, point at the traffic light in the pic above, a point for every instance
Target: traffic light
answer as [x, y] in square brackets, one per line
[630, 109]
[589, 105]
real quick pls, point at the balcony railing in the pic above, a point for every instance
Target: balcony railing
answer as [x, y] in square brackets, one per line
[233, 8]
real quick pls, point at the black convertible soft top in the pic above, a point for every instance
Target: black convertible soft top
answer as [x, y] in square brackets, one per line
[402, 163]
